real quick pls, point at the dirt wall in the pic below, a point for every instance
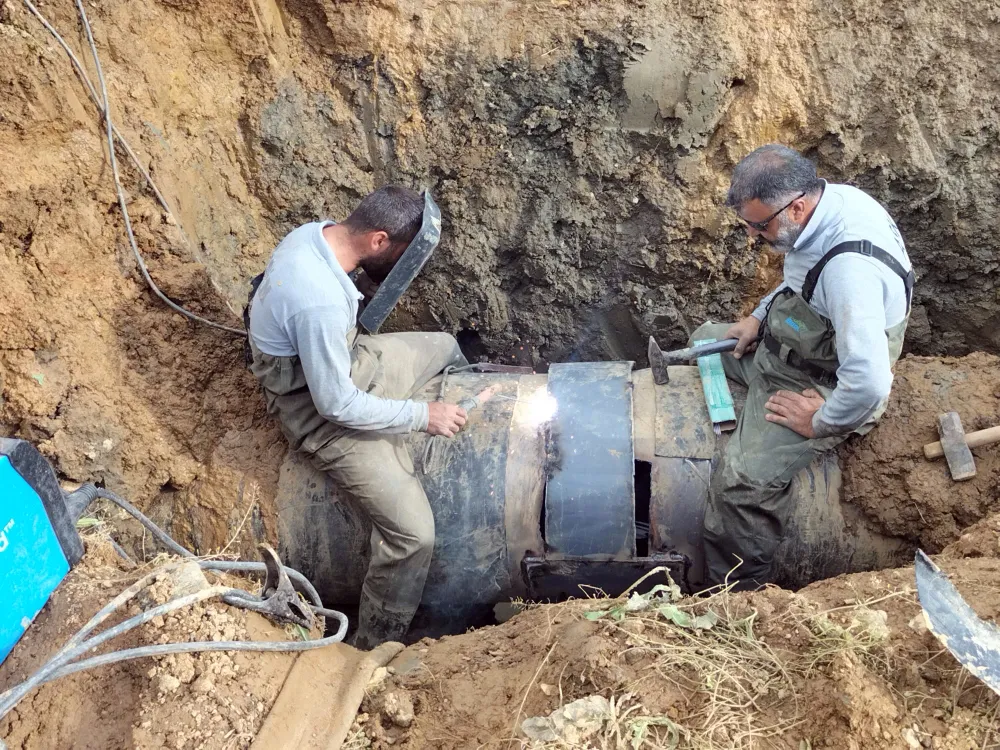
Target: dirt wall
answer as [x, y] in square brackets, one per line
[579, 152]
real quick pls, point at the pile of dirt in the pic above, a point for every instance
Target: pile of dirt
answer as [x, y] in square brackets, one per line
[213, 700]
[886, 474]
[846, 663]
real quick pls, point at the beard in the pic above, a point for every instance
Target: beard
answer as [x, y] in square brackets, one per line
[377, 269]
[788, 232]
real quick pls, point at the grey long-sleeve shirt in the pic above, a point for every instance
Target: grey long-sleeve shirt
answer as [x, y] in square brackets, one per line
[860, 296]
[306, 306]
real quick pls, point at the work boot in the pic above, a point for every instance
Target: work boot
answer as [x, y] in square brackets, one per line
[377, 625]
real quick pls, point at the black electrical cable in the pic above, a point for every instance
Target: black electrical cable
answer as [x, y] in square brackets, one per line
[229, 566]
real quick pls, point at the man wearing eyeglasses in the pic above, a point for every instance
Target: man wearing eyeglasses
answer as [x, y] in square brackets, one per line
[816, 354]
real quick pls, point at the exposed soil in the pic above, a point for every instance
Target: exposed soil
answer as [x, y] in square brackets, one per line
[844, 663]
[183, 701]
[853, 667]
[886, 474]
[886, 684]
[579, 152]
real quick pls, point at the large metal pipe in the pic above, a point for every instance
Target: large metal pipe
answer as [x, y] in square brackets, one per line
[589, 475]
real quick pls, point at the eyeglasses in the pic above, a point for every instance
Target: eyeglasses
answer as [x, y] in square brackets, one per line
[761, 226]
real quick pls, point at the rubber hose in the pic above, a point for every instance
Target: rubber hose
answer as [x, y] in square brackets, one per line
[79, 499]
[236, 566]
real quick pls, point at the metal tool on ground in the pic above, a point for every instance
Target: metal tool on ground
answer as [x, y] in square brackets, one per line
[960, 461]
[973, 642]
[955, 445]
[279, 600]
[660, 360]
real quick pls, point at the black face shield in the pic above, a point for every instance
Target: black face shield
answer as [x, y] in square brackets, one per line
[406, 268]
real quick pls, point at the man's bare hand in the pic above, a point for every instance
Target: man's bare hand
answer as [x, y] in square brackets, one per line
[795, 411]
[746, 332]
[444, 419]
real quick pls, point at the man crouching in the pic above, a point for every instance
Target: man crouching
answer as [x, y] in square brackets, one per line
[344, 399]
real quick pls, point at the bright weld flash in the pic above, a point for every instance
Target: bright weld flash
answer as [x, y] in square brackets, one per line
[540, 407]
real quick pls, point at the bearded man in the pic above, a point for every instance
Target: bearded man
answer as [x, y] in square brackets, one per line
[344, 399]
[816, 355]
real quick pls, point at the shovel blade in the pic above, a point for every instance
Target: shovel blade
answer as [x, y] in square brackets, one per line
[973, 642]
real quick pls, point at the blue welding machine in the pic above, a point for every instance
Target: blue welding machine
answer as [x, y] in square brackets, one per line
[38, 538]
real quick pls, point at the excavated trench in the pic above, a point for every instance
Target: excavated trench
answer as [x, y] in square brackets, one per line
[579, 155]
[579, 152]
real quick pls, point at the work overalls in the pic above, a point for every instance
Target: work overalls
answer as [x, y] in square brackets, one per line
[750, 498]
[373, 469]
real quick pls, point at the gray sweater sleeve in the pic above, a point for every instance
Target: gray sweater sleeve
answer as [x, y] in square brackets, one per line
[855, 300]
[318, 336]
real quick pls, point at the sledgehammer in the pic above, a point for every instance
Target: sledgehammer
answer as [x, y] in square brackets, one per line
[955, 445]
[659, 360]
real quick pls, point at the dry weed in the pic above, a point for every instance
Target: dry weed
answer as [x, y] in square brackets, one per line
[741, 692]
[356, 740]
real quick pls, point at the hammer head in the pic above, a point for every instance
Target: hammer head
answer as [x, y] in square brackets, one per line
[657, 363]
[960, 461]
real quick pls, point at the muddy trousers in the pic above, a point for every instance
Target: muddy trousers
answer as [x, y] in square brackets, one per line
[375, 471]
[750, 498]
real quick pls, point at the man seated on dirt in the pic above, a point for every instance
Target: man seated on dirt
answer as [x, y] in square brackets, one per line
[825, 343]
[343, 398]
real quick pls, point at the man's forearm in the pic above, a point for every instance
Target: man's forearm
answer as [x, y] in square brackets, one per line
[326, 360]
[370, 413]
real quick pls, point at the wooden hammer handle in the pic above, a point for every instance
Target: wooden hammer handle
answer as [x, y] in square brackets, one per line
[972, 439]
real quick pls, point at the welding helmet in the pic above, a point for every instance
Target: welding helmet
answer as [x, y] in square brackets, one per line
[406, 268]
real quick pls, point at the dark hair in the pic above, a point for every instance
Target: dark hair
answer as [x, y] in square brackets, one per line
[397, 211]
[772, 174]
